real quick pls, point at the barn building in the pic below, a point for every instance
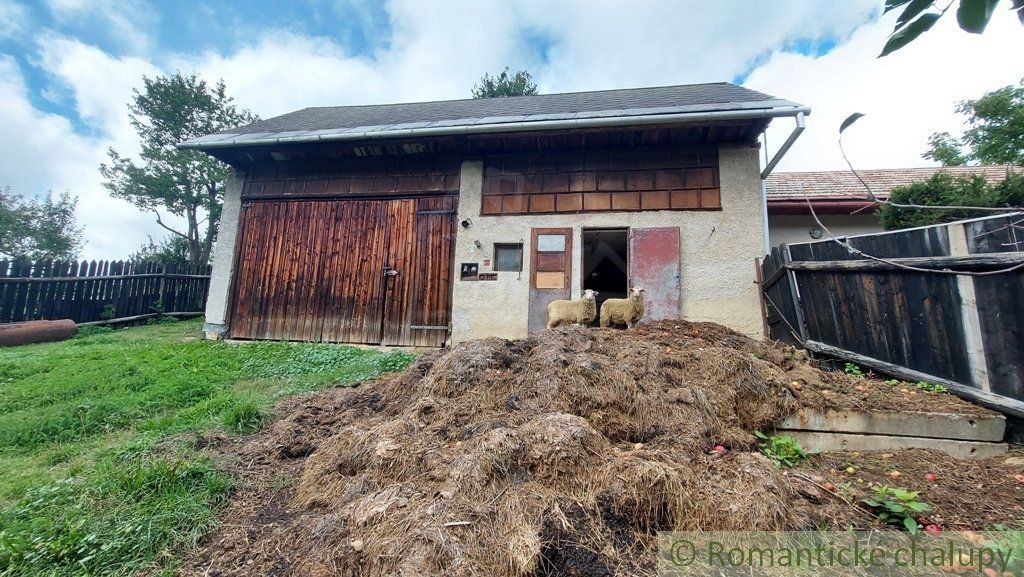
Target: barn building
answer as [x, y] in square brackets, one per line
[429, 223]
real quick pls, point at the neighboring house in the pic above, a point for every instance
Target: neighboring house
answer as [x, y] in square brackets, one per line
[436, 222]
[840, 199]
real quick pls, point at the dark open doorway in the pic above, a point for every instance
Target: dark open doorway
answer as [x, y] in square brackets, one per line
[605, 263]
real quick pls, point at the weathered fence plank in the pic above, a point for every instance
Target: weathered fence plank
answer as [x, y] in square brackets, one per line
[961, 329]
[93, 291]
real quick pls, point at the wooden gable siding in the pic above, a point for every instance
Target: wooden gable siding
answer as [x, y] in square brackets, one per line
[369, 177]
[627, 179]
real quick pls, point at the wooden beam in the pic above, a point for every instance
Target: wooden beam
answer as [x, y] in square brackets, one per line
[999, 403]
[760, 294]
[141, 317]
[992, 260]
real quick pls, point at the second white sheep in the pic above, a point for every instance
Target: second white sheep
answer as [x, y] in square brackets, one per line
[627, 311]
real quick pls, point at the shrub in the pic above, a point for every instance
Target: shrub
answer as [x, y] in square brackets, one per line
[943, 189]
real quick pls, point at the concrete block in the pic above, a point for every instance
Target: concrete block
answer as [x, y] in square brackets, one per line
[850, 442]
[214, 331]
[903, 424]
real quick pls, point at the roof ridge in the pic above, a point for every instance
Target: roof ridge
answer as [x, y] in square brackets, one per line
[527, 96]
[847, 171]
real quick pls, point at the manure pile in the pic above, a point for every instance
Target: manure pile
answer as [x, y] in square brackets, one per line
[559, 454]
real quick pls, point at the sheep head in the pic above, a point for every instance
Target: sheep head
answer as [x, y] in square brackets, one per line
[637, 292]
[589, 294]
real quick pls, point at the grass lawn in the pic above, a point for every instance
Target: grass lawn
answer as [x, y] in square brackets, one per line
[99, 471]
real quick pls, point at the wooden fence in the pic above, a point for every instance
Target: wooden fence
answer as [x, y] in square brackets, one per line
[893, 304]
[99, 291]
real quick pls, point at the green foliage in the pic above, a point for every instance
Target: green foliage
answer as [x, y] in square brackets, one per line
[246, 414]
[783, 450]
[134, 511]
[945, 150]
[943, 189]
[168, 250]
[930, 387]
[186, 183]
[897, 506]
[519, 84]
[853, 370]
[920, 385]
[91, 330]
[994, 135]
[39, 228]
[109, 312]
[101, 476]
[918, 16]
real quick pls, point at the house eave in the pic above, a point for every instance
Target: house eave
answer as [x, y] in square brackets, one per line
[222, 141]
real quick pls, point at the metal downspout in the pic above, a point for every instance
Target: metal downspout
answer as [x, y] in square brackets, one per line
[797, 130]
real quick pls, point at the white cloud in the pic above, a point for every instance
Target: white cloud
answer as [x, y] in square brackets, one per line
[100, 84]
[13, 18]
[437, 50]
[120, 19]
[906, 96]
[41, 151]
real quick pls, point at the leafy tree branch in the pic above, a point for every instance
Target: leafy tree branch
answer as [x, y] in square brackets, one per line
[504, 84]
[184, 183]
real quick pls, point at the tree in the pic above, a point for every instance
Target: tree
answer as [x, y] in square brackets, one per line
[943, 189]
[919, 16]
[39, 228]
[185, 183]
[169, 250]
[519, 84]
[994, 135]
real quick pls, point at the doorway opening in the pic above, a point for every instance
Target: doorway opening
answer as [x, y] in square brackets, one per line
[606, 263]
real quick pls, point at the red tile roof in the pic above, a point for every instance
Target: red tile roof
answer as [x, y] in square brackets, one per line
[843, 185]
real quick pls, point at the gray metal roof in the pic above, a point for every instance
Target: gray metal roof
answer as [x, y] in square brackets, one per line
[545, 111]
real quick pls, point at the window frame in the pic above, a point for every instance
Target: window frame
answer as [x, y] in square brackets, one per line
[507, 245]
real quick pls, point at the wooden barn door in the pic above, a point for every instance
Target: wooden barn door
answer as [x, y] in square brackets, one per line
[418, 301]
[345, 271]
[654, 267]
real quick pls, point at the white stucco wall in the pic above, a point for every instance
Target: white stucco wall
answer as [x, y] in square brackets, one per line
[717, 251]
[219, 297]
[797, 228]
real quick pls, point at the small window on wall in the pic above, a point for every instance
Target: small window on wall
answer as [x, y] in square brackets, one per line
[508, 257]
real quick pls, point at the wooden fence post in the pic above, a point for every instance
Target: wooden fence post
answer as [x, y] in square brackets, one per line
[970, 319]
[794, 291]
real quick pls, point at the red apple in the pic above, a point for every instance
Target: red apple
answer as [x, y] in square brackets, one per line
[931, 477]
[932, 529]
[721, 450]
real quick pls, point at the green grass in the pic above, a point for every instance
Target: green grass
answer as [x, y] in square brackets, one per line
[99, 474]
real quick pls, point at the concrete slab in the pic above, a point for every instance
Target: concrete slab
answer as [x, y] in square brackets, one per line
[849, 442]
[901, 424]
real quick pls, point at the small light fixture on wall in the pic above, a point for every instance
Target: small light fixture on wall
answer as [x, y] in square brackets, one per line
[815, 232]
[478, 244]
[466, 223]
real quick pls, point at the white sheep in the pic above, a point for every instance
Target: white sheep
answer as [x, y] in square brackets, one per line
[581, 311]
[627, 311]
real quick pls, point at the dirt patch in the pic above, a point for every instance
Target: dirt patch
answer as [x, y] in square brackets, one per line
[964, 494]
[559, 454]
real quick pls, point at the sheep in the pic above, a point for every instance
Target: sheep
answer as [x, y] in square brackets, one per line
[627, 311]
[581, 311]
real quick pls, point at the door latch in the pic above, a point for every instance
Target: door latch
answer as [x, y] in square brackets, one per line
[389, 271]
